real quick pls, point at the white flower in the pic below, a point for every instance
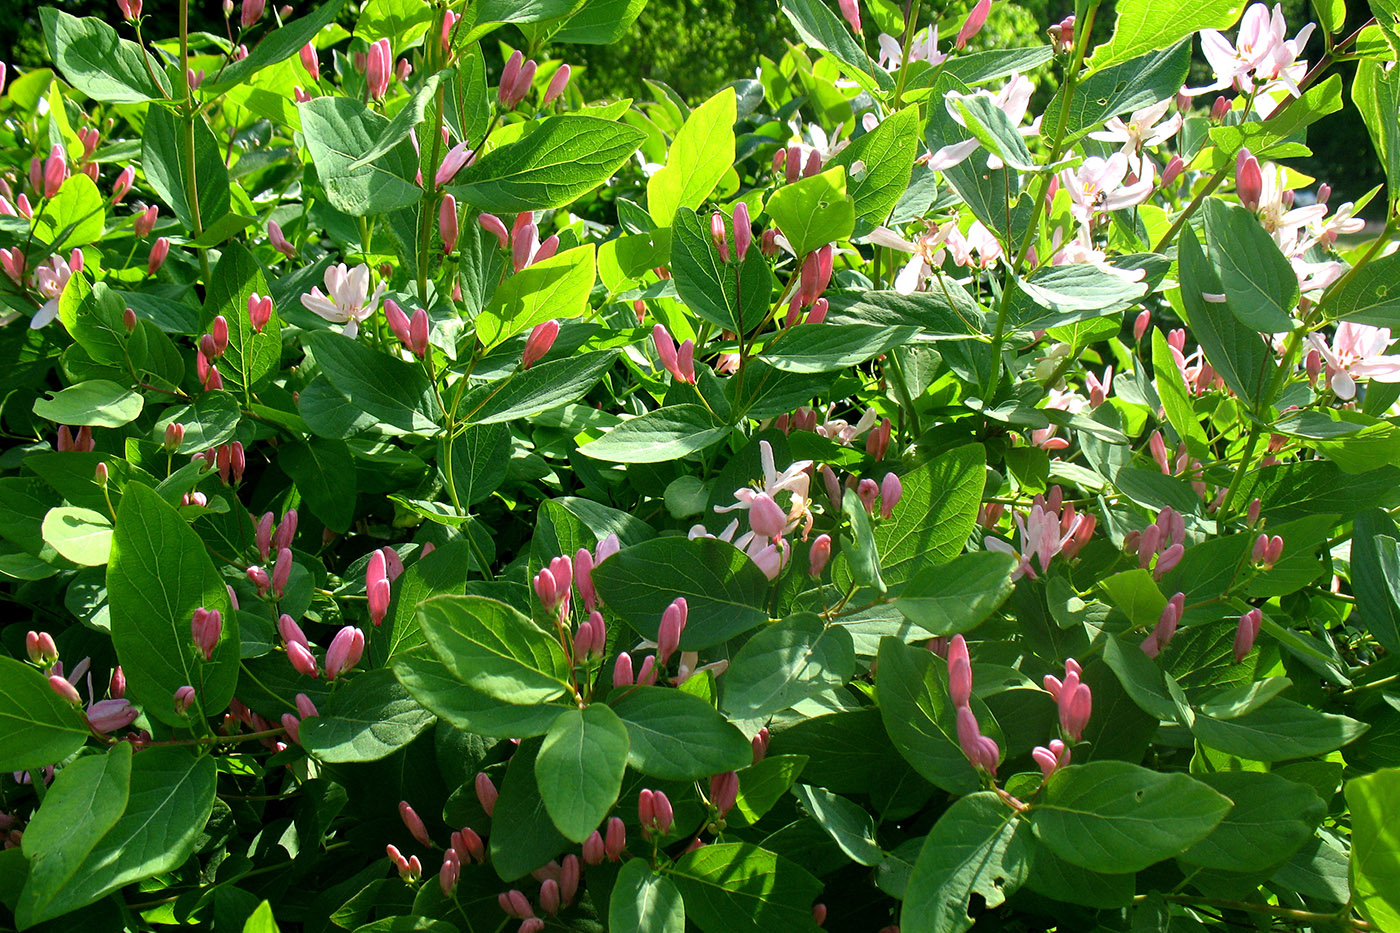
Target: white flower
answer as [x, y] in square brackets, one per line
[50, 279]
[1097, 185]
[1143, 128]
[1357, 352]
[348, 300]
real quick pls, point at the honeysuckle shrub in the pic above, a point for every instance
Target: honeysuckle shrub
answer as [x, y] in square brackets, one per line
[436, 501]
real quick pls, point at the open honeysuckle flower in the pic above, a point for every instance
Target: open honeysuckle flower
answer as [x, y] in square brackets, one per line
[1143, 129]
[1261, 51]
[928, 251]
[1080, 250]
[795, 480]
[1357, 352]
[50, 279]
[1099, 185]
[923, 49]
[347, 300]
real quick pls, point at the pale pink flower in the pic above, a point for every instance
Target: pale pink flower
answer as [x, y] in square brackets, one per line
[347, 300]
[1098, 185]
[1357, 352]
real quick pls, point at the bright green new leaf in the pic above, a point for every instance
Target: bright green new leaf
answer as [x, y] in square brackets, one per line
[100, 403]
[1145, 25]
[555, 288]
[700, 155]
[81, 535]
[814, 211]
[1374, 800]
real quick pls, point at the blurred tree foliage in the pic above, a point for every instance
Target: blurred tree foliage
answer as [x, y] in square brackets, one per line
[696, 46]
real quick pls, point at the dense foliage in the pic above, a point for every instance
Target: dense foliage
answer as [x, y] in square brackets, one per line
[440, 500]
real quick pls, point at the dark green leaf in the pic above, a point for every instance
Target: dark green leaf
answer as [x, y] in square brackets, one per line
[493, 648]
[99, 63]
[957, 596]
[735, 887]
[677, 736]
[370, 717]
[580, 766]
[37, 727]
[785, 663]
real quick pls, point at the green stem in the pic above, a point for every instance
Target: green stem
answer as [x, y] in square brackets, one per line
[911, 15]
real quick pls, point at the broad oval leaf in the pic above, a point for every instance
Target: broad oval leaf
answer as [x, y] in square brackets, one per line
[493, 648]
[579, 768]
[677, 736]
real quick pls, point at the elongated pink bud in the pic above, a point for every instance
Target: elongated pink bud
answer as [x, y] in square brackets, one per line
[310, 61]
[1246, 632]
[1051, 758]
[1249, 180]
[685, 362]
[668, 636]
[583, 578]
[959, 672]
[766, 517]
[850, 9]
[980, 750]
[622, 671]
[1173, 171]
[760, 745]
[495, 226]
[251, 11]
[107, 716]
[743, 231]
[867, 490]
[122, 185]
[724, 792]
[263, 536]
[292, 725]
[379, 68]
[509, 76]
[278, 241]
[452, 163]
[539, 342]
[594, 851]
[891, 490]
[55, 171]
[447, 223]
[418, 333]
[397, 321]
[65, 690]
[1168, 561]
[159, 251]
[665, 347]
[345, 651]
[615, 840]
[719, 235]
[415, 824]
[183, 699]
[557, 84]
[820, 555]
[1074, 713]
[206, 626]
[1273, 552]
[281, 572]
[291, 632]
[973, 24]
[646, 676]
[486, 792]
[303, 661]
[377, 587]
[40, 648]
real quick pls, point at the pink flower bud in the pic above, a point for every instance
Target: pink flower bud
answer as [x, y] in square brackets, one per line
[1246, 632]
[303, 661]
[557, 84]
[766, 517]
[1273, 552]
[593, 849]
[1140, 325]
[183, 699]
[685, 362]
[516, 904]
[1168, 561]
[493, 225]
[131, 9]
[1051, 759]
[1249, 180]
[646, 676]
[981, 752]
[868, 491]
[891, 490]
[159, 251]
[973, 24]
[452, 163]
[447, 223]
[959, 672]
[122, 185]
[539, 342]
[468, 845]
[719, 235]
[668, 637]
[55, 171]
[1173, 170]
[583, 578]
[743, 231]
[549, 896]
[1075, 709]
[106, 716]
[377, 588]
[450, 872]
[415, 824]
[403, 69]
[1324, 192]
[449, 21]
[206, 627]
[310, 61]
[1219, 108]
[345, 651]
[116, 686]
[820, 555]
[281, 572]
[486, 793]
[145, 221]
[64, 689]
[724, 792]
[377, 68]
[397, 320]
[622, 671]
[760, 745]
[615, 840]
[259, 577]
[509, 76]
[850, 9]
[292, 726]
[41, 648]
[291, 632]
[219, 331]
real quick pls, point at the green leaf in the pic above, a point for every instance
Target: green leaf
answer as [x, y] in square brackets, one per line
[1271, 819]
[1146, 25]
[658, 436]
[261, 920]
[847, 823]
[919, 716]
[210, 420]
[1066, 294]
[1238, 353]
[700, 155]
[1277, 731]
[86, 800]
[1176, 399]
[74, 216]
[785, 663]
[493, 648]
[97, 402]
[677, 736]
[479, 461]
[819, 28]
[1261, 288]
[1376, 93]
[100, 64]
[558, 160]
[81, 535]
[1375, 576]
[1371, 296]
[523, 836]
[644, 901]
[280, 44]
[251, 356]
[434, 686]
[393, 391]
[338, 130]
[555, 288]
[985, 120]
[1275, 136]
[324, 472]
[724, 590]
[579, 768]
[158, 575]
[1119, 89]
[600, 22]
[37, 727]
[860, 553]
[172, 793]
[817, 348]
[168, 161]
[957, 596]
[888, 153]
[369, 718]
[717, 291]
[1374, 801]
[541, 387]
[977, 847]
[735, 887]
[1115, 817]
[935, 515]
[814, 211]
